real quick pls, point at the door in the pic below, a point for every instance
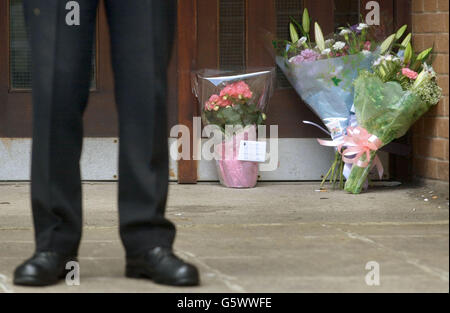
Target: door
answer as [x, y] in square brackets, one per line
[15, 78]
[232, 34]
[100, 120]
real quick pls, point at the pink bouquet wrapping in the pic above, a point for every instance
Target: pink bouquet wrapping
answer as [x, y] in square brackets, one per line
[232, 172]
[234, 104]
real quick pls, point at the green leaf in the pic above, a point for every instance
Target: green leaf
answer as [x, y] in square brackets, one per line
[306, 21]
[407, 40]
[294, 34]
[336, 80]
[320, 41]
[408, 54]
[386, 45]
[424, 54]
[293, 20]
[401, 31]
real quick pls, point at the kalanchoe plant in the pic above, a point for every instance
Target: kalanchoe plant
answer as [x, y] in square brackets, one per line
[233, 106]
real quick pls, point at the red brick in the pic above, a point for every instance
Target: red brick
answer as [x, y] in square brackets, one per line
[430, 5]
[418, 42]
[437, 110]
[446, 150]
[417, 5]
[443, 83]
[427, 168]
[444, 101]
[432, 147]
[430, 23]
[442, 170]
[441, 43]
[436, 127]
[442, 127]
[429, 127]
[442, 5]
[430, 134]
[440, 64]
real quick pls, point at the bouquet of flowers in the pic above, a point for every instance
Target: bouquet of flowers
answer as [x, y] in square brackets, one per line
[401, 88]
[236, 105]
[322, 72]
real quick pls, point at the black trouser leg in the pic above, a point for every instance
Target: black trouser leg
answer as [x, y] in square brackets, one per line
[141, 39]
[61, 57]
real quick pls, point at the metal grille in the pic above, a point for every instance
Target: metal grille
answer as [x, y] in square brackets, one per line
[232, 34]
[286, 9]
[20, 53]
[20, 56]
[346, 12]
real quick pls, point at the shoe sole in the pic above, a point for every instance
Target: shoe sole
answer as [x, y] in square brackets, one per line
[140, 274]
[33, 282]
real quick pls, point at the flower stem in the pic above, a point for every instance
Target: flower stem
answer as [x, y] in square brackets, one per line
[358, 176]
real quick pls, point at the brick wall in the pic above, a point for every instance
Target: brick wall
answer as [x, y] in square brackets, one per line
[430, 134]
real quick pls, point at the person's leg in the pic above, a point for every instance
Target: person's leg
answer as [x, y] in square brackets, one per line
[141, 41]
[61, 57]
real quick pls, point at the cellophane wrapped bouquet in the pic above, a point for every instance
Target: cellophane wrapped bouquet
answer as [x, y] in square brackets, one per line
[235, 103]
[388, 101]
[322, 72]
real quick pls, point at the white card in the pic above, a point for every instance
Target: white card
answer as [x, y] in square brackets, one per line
[253, 151]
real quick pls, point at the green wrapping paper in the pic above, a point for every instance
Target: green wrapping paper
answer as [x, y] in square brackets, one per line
[386, 111]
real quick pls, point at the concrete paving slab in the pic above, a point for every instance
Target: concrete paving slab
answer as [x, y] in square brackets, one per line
[275, 238]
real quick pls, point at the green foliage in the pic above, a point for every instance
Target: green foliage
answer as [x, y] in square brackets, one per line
[320, 41]
[387, 110]
[306, 21]
[424, 54]
[387, 44]
[406, 41]
[400, 32]
[239, 114]
[293, 32]
[409, 53]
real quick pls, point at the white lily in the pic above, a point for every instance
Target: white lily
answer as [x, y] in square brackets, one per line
[301, 41]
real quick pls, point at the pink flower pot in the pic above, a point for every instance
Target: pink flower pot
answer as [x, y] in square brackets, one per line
[232, 172]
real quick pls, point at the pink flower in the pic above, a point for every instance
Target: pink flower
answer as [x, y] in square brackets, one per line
[367, 45]
[212, 102]
[298, 59]
[309, 55]
[237, 90]
[223, 103]
[306, 55]
[409, 73]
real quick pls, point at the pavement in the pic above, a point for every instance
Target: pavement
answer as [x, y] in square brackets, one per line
[278, 237]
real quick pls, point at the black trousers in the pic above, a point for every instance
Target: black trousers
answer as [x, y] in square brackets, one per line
[141, 39]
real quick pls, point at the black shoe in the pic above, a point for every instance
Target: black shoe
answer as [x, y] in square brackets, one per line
[163, 267]
[42, 269]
